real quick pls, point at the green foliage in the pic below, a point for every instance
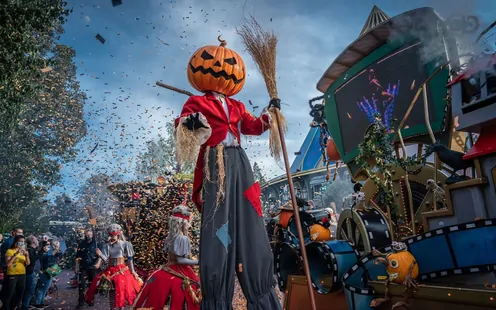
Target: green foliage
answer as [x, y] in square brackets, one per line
[377, 146]
[27, 32]
[160, 158]
[41, 114]
[50, 126]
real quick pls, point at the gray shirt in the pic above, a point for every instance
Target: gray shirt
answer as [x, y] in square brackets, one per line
[117, 250]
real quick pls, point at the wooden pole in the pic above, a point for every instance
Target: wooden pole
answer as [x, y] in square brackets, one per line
[296, 213]
[177, 90]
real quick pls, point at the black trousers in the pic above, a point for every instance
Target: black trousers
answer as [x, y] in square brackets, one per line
[233, 238]
[12, 297]
[85, 276]
[4, 285]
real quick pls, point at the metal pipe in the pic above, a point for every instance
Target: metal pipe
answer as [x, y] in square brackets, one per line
[408, 188]
[433, 139]
[471, 139]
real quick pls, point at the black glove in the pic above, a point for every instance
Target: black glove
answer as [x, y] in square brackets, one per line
[275, 102]
[193, 122]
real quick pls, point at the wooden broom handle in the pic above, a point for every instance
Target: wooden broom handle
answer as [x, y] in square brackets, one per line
[296, 212]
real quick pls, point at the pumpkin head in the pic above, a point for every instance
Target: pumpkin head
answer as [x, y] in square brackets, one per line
[398, 266]
[320, 233]
[218, 69]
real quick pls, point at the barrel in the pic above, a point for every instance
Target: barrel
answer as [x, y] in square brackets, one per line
[328, 261]
[307, 219]
[287, 261]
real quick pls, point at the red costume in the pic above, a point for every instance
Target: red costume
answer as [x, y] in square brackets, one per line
[125, 285]
[163, 284]
[214, 112]
[177, 281]
[121, 280]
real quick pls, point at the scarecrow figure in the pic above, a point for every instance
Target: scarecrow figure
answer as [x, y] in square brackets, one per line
[120, 279]
[233, 234]
[177, 279]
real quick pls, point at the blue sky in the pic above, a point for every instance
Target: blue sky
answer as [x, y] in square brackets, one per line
[125, 108]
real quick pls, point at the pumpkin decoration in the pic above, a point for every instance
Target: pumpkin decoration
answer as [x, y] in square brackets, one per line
[217, 68]
[332, 150]
[399, 265]
[320, 233]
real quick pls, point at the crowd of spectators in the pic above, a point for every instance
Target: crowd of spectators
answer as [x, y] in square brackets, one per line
[28, 268]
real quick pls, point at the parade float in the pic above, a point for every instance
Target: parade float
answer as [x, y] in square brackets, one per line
[417, 129]
[144, 210]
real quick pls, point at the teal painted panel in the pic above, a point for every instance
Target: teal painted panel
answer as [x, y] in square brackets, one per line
[436, 88]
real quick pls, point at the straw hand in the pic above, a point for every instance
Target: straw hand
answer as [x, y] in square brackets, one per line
[275, 103]
[193, 122]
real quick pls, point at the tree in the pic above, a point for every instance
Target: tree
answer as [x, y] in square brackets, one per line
[45, 137]
[258, 175]
[160, 158]
[26, 25]
[64, 209]
[95, 193]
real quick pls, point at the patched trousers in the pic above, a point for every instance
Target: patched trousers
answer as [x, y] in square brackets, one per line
[233, 237]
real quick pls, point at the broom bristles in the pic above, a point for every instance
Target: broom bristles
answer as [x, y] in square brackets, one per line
[261, 45]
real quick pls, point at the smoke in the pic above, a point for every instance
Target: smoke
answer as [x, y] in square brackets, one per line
[460, 28]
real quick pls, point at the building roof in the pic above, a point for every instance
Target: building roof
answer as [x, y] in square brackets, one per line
[370, 39]
[309, 155]
[376, 17]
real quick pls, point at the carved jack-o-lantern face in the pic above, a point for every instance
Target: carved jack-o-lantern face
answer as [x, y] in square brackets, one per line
[218, 69]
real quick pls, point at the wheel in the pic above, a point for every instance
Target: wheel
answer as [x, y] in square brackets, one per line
[421, 199]
[365, 230]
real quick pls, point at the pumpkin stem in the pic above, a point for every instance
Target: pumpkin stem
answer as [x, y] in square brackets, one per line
[223, 43]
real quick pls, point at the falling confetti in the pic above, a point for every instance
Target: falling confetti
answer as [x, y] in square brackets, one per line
[100, 38]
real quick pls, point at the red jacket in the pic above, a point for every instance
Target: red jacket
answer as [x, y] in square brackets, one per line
[240, 121]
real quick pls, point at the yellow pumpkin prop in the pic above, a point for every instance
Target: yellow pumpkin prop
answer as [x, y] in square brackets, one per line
[218, 69]
[320, 233]
[399, 265]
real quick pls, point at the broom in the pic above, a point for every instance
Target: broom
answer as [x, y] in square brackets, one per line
[261, 45]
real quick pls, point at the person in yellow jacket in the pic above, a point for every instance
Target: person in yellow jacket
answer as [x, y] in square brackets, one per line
[17, 259]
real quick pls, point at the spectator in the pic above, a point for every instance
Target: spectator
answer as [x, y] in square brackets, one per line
[8, 243]
[16, 260]
[1, 239]
[31, 274]
[86, 259]
[48, 260]
[3, 249]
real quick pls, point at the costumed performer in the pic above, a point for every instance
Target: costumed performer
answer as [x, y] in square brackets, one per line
[177, 279]
[232, 236]
[121, 278]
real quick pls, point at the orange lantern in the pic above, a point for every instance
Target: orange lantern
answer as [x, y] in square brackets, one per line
[332, 150]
